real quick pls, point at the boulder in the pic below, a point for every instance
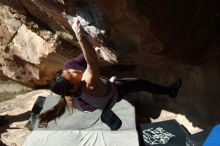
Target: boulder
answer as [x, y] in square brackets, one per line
[139, 33]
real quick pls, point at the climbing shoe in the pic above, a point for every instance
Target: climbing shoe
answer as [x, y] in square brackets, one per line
[174, 88]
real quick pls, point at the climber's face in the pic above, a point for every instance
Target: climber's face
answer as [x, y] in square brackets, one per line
[73, 76]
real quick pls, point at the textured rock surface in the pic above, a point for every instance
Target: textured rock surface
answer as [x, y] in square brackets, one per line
[17, 112]
[12, 87]
[142, 33]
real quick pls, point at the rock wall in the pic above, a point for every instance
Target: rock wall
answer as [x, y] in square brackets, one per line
[35, 33]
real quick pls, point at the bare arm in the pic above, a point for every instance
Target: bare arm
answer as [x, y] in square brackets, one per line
[91, 73]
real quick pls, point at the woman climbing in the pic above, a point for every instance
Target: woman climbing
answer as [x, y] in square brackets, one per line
[81, 84]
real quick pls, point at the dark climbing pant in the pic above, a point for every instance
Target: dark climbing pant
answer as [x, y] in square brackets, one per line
[124, 85]
[130, 85]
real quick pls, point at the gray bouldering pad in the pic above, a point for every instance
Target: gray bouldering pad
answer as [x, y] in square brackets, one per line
[76, 128]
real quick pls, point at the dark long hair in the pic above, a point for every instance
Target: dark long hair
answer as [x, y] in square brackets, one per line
[53, 113]
[60, 86]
